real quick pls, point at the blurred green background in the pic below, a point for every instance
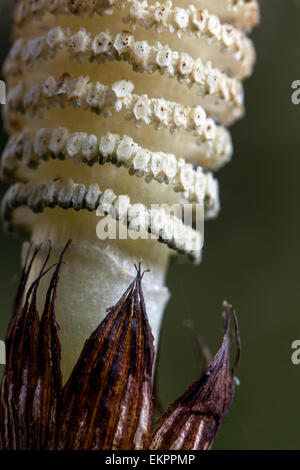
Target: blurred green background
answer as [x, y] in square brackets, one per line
[251, 255]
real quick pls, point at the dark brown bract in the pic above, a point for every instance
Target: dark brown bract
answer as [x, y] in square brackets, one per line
[107, 401]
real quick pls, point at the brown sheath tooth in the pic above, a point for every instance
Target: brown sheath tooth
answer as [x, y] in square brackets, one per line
[32, 377]
[48, 389]
[107, 402]
[193, 420]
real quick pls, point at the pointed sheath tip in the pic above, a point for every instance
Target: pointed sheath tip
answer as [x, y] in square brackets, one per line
[193, 420]
[114, 372]
[32, 378]
[138, 268]
[228, 311]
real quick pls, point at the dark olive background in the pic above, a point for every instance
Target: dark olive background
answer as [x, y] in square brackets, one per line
[251, 252]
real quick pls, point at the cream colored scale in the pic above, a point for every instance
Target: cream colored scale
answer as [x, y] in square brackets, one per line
[98, 272]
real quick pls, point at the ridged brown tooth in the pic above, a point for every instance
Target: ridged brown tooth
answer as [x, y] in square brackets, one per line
[32, 379]
[114, 372]
[193, 420]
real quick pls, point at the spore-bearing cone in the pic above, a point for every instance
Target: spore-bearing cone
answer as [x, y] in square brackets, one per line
[77, 77]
